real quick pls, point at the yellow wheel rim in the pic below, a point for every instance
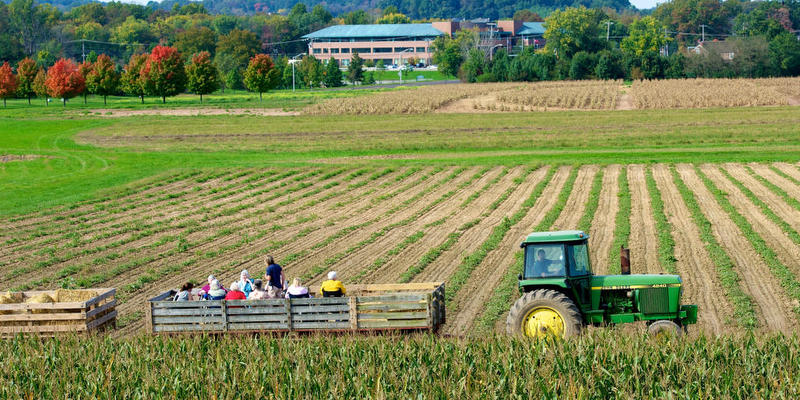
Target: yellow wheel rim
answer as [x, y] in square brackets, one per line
[543, 322]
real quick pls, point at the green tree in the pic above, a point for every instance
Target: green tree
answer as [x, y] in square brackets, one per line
[163, 74]
[133, 31]
[261, 74]
[355, 70]
[784, 54]
[195, 40]
[610, 65]
[581, 66]
[527, 16]
[26, 72]
[369, 78]
[103, 78]
[131, 81]
[202, 75]
[333, 75]
[394, 18]
[238, 47]
[311, 71]
[572, 30]
[473, 67]
[689, 15]
[357, 17]
[447, 55]
[230, 70]
[40, 85]
[646, 34]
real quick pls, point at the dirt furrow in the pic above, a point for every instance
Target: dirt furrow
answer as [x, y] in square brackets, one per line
[367, 255]
[601, 233]
[254, 265]
[776, 203]
[701, 284]
[446, 264]
[318, 258]
[789, 169]
[198, 236]
[759, 282]
[576, 203]
[439, 234]
[643, 238]
[787, 251]
[472, 297]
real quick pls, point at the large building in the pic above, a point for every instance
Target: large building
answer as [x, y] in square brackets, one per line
[394, 44]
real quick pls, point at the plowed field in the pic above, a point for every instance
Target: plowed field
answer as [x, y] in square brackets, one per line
[460, 225]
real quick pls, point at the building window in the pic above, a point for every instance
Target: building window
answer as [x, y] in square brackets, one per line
[345, 51]
[362, 50]
[334, 51]
[325, 50]
[317, 51]
[399, 49]
[420, 50]
[345, 62]
[382, 50]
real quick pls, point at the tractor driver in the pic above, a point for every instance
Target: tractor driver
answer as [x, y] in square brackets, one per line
[541, 267]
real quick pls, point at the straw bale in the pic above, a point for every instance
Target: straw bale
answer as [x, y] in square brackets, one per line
[40, 298]
[70, 296]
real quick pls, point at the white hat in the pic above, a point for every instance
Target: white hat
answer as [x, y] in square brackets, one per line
[211, 278]
[244, 274]
[214, 285]
[235, 286]
[332, 275]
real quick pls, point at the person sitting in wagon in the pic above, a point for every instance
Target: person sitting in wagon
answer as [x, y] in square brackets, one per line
[297, 290]
[215, 292]
[332, 287]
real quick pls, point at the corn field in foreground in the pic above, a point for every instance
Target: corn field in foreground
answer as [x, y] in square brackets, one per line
[599, 365]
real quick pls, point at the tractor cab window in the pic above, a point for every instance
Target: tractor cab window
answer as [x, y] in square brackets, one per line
[579, 260]
[544, 261]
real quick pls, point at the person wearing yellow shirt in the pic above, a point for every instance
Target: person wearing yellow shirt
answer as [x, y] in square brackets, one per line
[332, 287]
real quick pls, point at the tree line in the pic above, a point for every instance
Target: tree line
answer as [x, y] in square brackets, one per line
[164, 73]
[583, 43]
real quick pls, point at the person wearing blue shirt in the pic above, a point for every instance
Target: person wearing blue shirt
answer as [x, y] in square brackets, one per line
[274, 274]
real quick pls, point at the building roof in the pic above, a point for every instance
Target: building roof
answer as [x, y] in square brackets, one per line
[531, 28]
[379, 30]
[557, 236]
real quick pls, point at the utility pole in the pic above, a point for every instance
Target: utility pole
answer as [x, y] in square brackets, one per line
[666, 43]
[83, 49]
[608, 29]
[703, 27]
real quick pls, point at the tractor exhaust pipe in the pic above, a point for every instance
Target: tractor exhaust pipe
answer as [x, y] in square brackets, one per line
[624, 260]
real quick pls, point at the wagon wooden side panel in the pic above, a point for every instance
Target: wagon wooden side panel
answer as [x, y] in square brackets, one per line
[372, 308]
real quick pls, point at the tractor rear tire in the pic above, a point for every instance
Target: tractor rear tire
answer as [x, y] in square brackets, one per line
[556, 303]
[665, 328]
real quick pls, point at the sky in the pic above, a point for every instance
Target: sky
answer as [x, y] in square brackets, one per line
[644, 4]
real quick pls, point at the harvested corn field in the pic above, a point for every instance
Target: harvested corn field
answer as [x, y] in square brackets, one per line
[730, 230]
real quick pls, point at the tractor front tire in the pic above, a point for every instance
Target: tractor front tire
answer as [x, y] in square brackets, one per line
[664, 328]
[544, 313]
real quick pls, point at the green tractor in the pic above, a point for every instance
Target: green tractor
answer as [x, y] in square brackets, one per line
[560, 295]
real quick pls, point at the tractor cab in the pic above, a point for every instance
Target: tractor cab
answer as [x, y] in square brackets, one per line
[560, 294]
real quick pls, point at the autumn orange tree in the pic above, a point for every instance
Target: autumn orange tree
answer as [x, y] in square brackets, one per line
[26, 72]
[85, 68]
[163, 73]
[261, 74]
[8, 82]
[202, 74]
[64, 80]
[103, 79]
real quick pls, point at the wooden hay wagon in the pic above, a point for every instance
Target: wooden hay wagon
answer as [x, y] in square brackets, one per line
[74, 310]
[367, 308]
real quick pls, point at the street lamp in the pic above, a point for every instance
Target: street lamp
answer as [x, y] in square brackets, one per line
[491, 50]
[401, 61]
[293, 61]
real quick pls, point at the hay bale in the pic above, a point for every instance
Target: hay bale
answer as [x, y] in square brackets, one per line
[41, 298]
[70, 296]
[10, 298]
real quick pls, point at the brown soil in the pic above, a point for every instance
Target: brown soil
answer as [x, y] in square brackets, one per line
[775, 203]
[4, 158]
[625, 102]
[469, 105]
[793, 101]
[190, 112]
[757, 280]
[434, 236]
[789, 169]
[576, 203]
[700, 281]
[601, 233]
[644, 237]
[788, 252]
[446, 264]
[472, 298]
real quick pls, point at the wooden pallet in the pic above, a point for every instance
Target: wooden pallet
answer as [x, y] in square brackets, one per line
[378, 307]
[49, 319]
